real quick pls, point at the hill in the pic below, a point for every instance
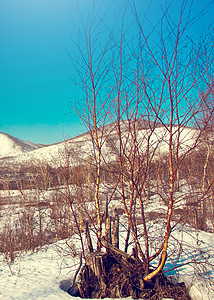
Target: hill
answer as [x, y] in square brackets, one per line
[12, 146]
[14, 151]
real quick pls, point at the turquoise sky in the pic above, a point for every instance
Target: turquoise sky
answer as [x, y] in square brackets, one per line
[35, 70]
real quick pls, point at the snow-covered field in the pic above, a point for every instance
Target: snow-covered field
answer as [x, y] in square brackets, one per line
[44, 274]
[47, 273]
[36, 276]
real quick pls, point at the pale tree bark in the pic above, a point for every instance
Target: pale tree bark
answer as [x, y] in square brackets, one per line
[160, 84]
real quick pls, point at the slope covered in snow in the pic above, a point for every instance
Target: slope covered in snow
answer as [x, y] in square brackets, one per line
[80, 147]
[11, 146]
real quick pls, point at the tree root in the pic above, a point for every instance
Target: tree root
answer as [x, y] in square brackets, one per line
[110, 275]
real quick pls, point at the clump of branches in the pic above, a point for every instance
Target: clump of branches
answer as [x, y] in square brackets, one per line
[143, 108]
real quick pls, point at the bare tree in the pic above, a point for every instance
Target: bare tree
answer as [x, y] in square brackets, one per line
[93, 111]
[154, 103]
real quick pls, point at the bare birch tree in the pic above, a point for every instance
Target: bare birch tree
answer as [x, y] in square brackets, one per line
[151, 94]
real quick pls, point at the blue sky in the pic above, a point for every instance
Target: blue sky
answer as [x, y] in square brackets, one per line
[35, 70]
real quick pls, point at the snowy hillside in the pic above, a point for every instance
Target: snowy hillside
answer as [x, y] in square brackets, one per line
[80, 147]
[11, 146]
[54, 154]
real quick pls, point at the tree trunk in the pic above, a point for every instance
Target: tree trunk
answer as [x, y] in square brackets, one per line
[115, 229]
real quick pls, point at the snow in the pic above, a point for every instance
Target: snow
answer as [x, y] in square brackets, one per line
[53, 154]
[11, 146]
[197, 248]
[34, 276]
[81, 147]
[40, 275]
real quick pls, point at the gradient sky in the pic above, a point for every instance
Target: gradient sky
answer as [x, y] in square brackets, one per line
[35, 70]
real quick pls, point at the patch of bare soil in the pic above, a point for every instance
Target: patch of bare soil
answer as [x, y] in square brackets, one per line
[110, 275]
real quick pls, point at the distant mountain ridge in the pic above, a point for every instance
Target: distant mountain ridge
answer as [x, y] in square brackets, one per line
[15, 152]
[12, 146]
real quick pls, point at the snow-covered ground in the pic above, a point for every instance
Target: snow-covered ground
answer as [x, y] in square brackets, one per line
[197, 258]
[44, 274]
[40, 275]
[35, 276]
